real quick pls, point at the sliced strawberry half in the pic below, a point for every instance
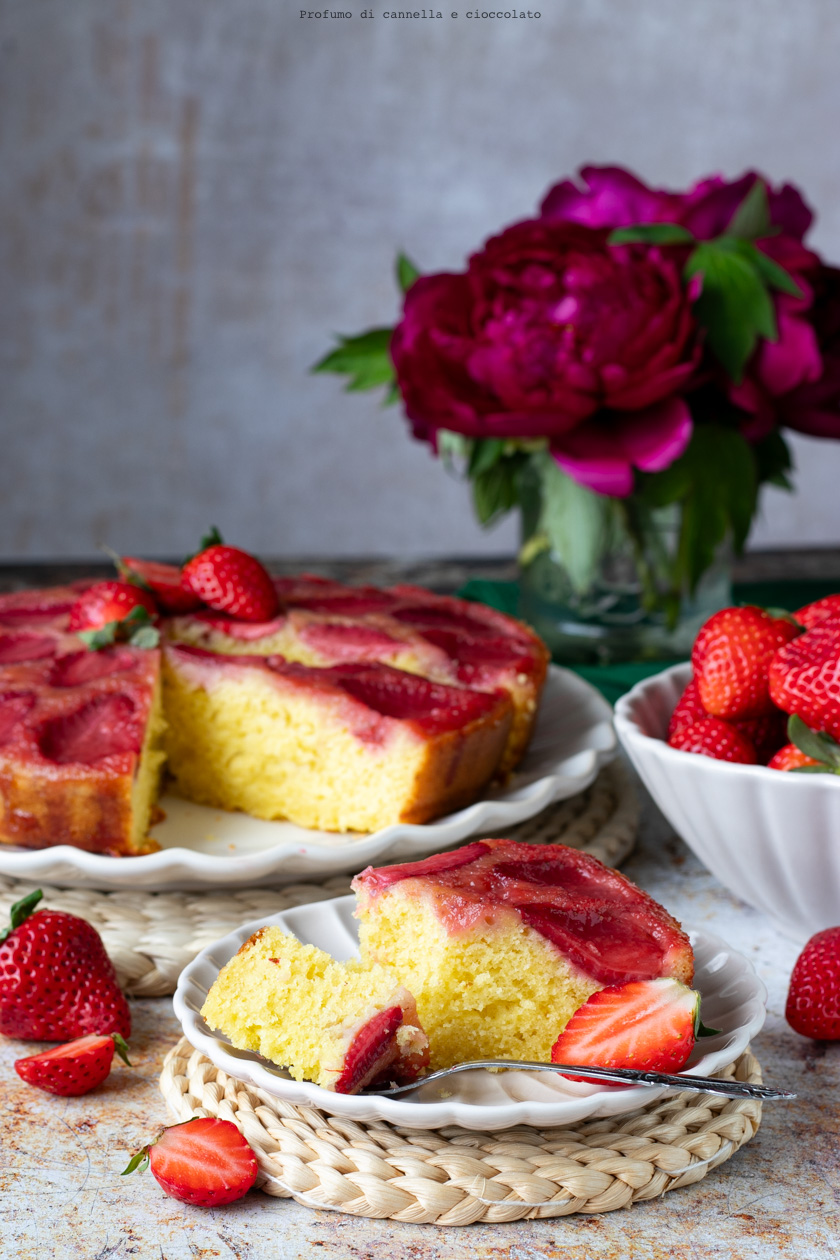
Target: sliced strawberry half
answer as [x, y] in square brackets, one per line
[650, 1025]
[205, 1161]
[74, 1068]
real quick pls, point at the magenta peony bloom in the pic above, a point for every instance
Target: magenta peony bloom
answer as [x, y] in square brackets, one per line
[813, 406]
[549, 326]
[603, 453]
[610, 197]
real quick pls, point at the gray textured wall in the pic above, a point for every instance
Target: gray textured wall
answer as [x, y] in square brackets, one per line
[194, 196]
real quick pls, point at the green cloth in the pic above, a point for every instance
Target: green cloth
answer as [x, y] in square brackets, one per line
[613, 680]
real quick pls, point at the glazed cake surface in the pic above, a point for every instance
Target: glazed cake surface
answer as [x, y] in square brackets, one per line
[501, 941]
[351, 747]
[80, 732]
[342, 1025]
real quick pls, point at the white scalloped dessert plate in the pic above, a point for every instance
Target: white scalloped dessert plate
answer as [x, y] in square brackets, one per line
[733, 1001]
[209, 848]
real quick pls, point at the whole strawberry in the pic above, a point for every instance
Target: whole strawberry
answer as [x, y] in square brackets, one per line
[109, 601]
[712, 737]
[731, 657]
[688, 709]
[74, 1068]
[823, 609]
[804, 678]
[813, 1001]
[231, 581]
[791, 758]
[205, 1161]
[56, 980]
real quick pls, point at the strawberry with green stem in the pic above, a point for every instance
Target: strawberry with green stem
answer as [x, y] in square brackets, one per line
[115, 612]
[56, 979]
[204, 1161]
[75, 1068]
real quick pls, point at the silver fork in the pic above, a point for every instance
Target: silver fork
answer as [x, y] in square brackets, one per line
[625, 1076]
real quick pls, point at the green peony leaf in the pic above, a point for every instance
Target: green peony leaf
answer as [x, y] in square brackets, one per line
[651, 234]
[771, 273]
[576, 521]
[485, 453]
[407, 273]
[752, 218]
[734, 306]
[365, 359]
[715, 482]
[774, 460]
[495, 490]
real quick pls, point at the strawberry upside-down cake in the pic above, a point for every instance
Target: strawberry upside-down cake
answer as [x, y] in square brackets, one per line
[342, 708]
[498, 943]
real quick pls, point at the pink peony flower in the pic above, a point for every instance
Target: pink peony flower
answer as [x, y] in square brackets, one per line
[611, 197]
[553, 333]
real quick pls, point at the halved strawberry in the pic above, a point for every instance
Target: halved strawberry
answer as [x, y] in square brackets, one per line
[231, 581]
[650, 1025]
[204, 1161]
[371, 1051]
[75, 1068]
[163, 580]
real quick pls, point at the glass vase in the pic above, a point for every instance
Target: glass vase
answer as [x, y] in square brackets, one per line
[625, 604]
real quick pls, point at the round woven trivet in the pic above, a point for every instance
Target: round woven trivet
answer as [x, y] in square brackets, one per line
[152, 936]
[455, 1176]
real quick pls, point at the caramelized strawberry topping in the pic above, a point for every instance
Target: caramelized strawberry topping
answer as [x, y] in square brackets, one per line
[78, 668]
[16, 648]
[371, 1052]
[105, 726]
[603, 923]
[14, 706]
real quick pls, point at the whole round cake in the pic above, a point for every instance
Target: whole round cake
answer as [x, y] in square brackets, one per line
[342, 708]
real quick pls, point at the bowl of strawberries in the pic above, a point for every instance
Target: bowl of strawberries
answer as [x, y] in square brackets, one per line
[739, 749]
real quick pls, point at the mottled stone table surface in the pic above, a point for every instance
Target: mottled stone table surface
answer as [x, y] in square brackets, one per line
[61, 1193]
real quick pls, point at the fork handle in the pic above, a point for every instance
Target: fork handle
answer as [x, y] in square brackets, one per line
[624, 1076]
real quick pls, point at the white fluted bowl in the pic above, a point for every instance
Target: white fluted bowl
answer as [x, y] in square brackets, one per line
[771, 838]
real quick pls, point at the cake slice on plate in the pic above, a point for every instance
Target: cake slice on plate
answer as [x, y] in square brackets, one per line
[342, 1025]
[501, 942]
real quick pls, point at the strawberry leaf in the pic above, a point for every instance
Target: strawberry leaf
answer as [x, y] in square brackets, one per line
[137, 1163]
[816, 744]
[145, 637]
[21, 911]
[211, 539]
[121, 1048]
[104, 637]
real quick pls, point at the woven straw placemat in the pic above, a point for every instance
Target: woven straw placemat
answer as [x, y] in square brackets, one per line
[151, 937]
[454, 1176]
